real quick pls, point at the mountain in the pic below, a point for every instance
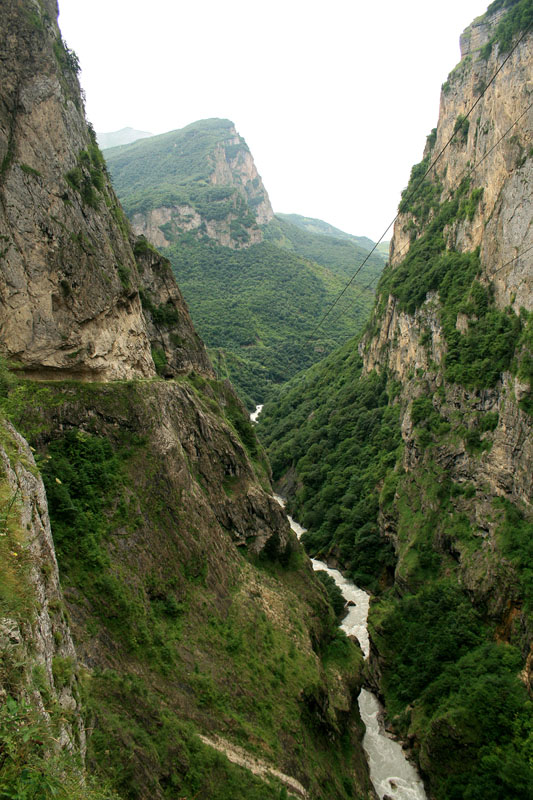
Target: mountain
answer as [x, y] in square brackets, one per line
[383, 248]
[162, 633]
[408, 454]
[340, 255]
[123, 136]
[313, 225]
[200, 178]
[256, 285]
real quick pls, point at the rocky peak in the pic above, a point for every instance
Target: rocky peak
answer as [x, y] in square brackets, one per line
[234, 166]
[478, 33]
[202, 181]
[69, 283]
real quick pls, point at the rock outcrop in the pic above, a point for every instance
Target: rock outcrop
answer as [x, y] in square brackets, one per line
[414, 469]
[69, 283]
[37, 655]
[183, 589]
[231, 214]
[491, 157]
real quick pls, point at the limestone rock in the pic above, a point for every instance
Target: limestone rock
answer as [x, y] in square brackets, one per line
[69, 281]
[37, 640]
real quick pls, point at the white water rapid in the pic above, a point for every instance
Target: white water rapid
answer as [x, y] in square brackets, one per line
[253, 417]
[392, 775]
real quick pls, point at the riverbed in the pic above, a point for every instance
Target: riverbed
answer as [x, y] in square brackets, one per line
[392, 775]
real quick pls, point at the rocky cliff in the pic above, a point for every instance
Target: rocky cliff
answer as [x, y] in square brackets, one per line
[453, 326]
[410, 460]
[473, 214]
[202, 181]
[167, 611]
[70, 281]
[38, 659]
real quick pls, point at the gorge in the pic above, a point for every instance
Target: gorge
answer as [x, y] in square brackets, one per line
[163, 633]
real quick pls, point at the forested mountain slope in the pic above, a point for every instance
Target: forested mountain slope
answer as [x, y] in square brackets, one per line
[341, 254]
[313, 225]
[156, 612]
[409, 456]
[201, 178]
[256, 284]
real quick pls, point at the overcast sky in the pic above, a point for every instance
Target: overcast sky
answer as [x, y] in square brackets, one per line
[334, 98]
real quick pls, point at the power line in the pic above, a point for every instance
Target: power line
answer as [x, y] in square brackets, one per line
[466, 173]
[418, 184]
[514, 258]
[519, 255]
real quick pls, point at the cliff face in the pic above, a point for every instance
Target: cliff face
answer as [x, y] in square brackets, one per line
[211, 168]
[69, 283]
[498, 222]
[183, 587]
[410, 461]
[39, 664]
[64, 304]
[453, 326]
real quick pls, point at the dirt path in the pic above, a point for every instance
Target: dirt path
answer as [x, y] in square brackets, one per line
[260, 768]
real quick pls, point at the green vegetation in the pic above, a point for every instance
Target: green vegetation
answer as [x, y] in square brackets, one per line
[312, 225]
[17, 598]
[30, 171]
[31, 768]
[189, 634]
[66, 58]
[339, 433]
[519, 18]
[515, 538]
[334, 435]
[523, 365]
[478, 354]
[164, 315]
[471, 713]
[174, 169]
[336, 598]
[340, 255]
[88, 177]
[460, 129]
[257, 308]
[191, 768]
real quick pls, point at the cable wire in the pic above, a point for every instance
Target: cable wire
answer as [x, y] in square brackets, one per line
[418, 184]
[463, 176]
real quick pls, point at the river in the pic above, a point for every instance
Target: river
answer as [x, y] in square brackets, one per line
[256, 413]
[392, 775]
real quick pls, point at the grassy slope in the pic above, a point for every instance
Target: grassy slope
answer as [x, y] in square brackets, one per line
[313, 225]
[178, 626]
[450, 665]
[341, 255]
[169, 169]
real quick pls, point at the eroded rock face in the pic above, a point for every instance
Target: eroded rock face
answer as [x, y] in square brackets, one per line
[413, 346]
[231, 165]
[237, 169]
[502, 224]
[42, 639]
[64, 241]
[69, 281]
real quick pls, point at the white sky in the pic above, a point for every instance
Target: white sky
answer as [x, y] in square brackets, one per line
[334, 98]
